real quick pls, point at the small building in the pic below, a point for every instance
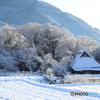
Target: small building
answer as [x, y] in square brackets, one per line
[85, 63]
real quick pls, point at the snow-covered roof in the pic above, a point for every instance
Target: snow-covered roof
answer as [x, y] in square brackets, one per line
[82, 50]
[85, 61]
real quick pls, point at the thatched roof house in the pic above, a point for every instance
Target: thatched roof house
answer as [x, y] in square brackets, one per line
[85, 63]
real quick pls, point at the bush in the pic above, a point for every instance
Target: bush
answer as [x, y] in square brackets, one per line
[75, 79]
[48, 62]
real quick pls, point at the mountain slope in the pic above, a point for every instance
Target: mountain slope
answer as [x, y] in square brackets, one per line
[24, 11]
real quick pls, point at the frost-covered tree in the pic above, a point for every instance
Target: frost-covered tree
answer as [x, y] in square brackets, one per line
[48, 62]
[6, 34]
[8, 60]
[10, 38]
[29, 30]
[65, 48]
[97, 54]
[71, 45]
[85, 42]
[28, 59]
[47, 38]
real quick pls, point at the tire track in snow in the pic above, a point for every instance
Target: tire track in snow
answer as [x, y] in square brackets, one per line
[14, 83]
[48, 87]
[9, 88]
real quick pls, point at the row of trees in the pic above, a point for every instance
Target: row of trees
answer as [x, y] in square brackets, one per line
[37, 47]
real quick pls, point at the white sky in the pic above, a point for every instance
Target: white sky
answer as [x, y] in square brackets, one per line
[88, 10]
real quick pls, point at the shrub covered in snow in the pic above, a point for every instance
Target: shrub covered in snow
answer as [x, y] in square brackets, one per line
[75, 79]
[48, 62]
[49, 72]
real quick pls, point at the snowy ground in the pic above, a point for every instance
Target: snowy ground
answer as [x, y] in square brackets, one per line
[30, 88]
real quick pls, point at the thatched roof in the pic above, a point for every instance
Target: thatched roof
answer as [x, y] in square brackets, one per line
[84, 61]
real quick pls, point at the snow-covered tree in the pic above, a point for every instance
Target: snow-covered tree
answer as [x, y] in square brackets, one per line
[72, 44]
[29, 30]
[47, 38]
[48, 62]
[65, 48]
[85, 42]
[28, 58]
[8, 60]
[10, 38]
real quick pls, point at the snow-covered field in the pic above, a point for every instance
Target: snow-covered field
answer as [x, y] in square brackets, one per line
[32, 88]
